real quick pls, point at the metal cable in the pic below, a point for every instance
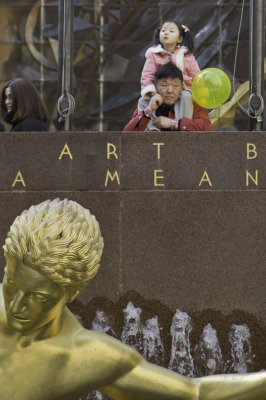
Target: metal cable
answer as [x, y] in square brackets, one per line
[257, 112]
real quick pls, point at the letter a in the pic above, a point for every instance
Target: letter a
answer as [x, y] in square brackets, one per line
[66, 151]
[205, 178]
[19, 178]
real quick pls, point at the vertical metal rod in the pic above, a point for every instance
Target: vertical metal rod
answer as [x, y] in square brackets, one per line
[256, 63]
[60, 45]
[42, 49]
[65, 51]
[101, 70]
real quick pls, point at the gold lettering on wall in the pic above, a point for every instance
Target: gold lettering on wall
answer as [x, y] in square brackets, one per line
[19, 179]
[255, 180]
[66, 151]
[251, 149]
[158, 149]
[111, 149]
[112, 177]
[205, 178]
[157, 176]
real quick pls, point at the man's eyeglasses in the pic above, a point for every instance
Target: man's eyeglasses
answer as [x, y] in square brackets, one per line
[173, 86]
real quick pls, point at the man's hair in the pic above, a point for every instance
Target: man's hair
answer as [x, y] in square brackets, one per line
[59, 239]
[26, 101]
[168, 71]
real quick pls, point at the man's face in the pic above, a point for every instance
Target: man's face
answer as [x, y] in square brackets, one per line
[32, 300]
[169, 89]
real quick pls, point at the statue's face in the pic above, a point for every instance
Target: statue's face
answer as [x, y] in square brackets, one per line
[32, 301]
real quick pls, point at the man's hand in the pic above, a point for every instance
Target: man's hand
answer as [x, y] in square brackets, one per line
[163, 122]
[155, 102]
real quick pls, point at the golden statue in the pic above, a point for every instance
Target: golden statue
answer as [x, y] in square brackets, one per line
[52, 250]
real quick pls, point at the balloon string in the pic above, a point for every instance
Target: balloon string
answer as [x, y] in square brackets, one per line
[236, 54]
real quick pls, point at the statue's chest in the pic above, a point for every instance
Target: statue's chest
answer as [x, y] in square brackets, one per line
[28, 373]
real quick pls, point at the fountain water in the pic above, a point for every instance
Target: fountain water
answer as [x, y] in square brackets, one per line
[181, 360]
[153, 349]
[241, 352]
[132, 332]
[95, 395]
[101, 323]
[208, 358]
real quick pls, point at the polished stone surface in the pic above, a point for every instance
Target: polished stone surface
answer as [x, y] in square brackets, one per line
[187, 246]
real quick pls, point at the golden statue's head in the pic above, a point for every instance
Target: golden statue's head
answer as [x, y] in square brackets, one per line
[59, 239]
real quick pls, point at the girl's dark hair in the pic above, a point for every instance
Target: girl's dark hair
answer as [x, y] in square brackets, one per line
[187, 36]
[26, 101]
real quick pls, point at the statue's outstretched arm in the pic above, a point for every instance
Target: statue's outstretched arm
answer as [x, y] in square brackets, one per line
[150, 382]
[250, 386]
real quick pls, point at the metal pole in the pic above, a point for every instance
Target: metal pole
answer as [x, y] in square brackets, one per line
[256, 64]
[60, 45]
[65, 54]
[42, 22]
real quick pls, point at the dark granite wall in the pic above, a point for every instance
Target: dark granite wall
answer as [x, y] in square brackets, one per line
[197, 248]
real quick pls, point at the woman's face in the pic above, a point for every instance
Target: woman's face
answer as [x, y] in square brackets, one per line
[8, 99]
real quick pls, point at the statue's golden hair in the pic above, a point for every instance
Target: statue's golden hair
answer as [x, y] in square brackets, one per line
[59, 239]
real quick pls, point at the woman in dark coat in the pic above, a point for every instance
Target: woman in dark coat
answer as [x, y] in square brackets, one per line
[22, 107]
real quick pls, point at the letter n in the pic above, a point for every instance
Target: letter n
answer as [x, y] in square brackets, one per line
[255, 180]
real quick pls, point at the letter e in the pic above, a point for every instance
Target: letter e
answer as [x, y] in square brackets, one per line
[156, 176]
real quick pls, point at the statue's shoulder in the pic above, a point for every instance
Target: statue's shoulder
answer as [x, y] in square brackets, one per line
[2, 303]
[101, 344]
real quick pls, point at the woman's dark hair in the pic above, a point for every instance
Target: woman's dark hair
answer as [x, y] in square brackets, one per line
[168, 70]
[187, 36]
[26, 101]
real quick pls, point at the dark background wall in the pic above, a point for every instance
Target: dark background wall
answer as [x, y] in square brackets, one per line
[192, 244]
[198, 248]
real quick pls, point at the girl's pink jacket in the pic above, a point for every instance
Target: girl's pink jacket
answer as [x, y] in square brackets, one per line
[156, 56]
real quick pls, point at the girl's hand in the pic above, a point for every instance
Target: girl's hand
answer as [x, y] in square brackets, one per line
[185, 28]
